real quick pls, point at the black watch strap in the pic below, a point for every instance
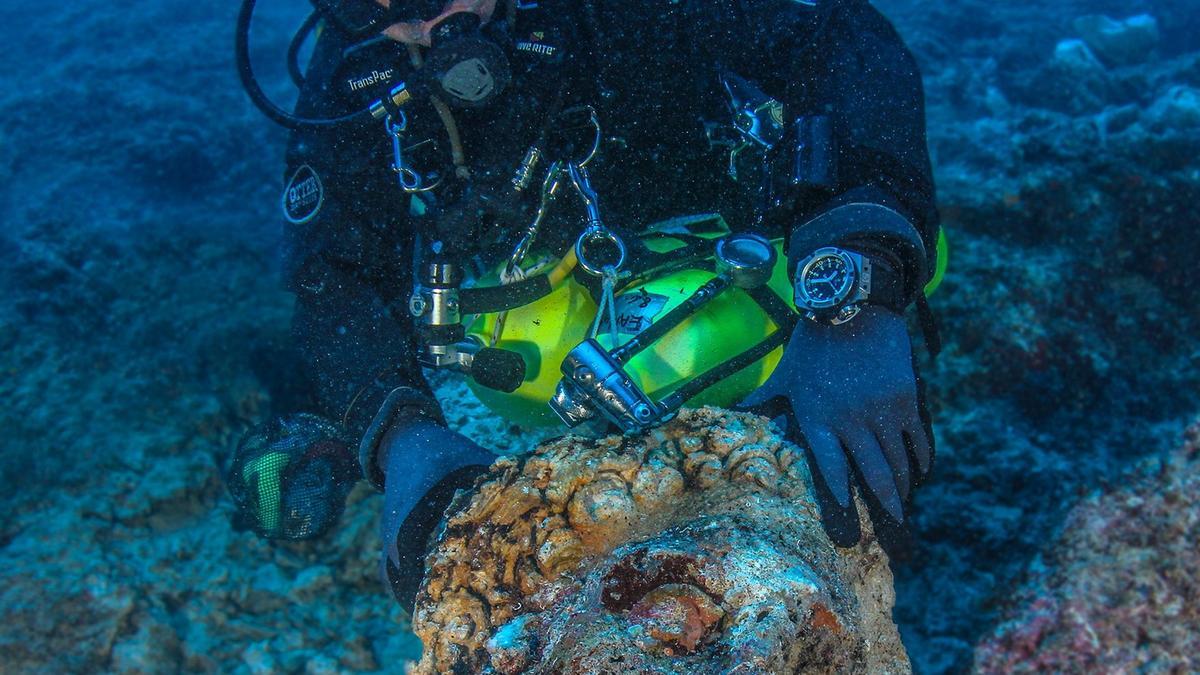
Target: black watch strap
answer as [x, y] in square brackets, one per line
[887, 285]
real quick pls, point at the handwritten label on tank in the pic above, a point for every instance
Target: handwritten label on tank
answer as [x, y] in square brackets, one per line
[636, 311]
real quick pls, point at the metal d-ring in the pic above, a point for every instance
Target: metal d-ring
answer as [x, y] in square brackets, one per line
[595, 235]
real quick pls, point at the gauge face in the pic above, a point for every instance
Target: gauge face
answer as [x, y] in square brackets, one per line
[827, 280]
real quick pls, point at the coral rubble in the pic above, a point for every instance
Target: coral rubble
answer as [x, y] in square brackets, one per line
[1118, 591]
[695, 548]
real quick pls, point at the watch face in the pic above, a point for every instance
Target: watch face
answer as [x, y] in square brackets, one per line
[826, 280]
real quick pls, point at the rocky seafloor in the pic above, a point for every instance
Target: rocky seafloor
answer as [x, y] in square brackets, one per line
[1117, 591]
[142, 329]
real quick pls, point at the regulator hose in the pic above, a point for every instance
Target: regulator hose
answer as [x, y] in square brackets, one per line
[260, 99]
[298, 40]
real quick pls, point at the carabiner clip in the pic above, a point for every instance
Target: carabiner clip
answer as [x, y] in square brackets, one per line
[592, 120]
[596, 231]
[395, 128]
[410, 181]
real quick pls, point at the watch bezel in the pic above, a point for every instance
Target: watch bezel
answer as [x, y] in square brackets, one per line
[802, 296]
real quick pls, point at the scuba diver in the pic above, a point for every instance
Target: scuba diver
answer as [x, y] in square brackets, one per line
[736, 197]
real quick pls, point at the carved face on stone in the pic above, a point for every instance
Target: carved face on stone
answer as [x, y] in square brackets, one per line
[695, 549]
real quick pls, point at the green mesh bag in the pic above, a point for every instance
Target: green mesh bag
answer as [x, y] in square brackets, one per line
[289, 478]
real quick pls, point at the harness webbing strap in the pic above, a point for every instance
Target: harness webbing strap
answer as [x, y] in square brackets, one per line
[670, 320]
[726, 369]
[785, 320]
[784, 317]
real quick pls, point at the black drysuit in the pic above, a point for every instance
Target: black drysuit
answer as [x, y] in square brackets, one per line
[652, 70]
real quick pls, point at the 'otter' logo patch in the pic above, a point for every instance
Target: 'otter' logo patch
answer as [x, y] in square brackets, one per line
[303, 196]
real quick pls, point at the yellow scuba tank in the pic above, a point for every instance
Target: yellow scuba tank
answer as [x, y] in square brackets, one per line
[546, 330]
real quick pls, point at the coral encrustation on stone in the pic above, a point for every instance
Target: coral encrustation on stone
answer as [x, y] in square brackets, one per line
[694, 548]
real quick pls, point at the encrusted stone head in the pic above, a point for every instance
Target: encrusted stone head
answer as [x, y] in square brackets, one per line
[695, 548]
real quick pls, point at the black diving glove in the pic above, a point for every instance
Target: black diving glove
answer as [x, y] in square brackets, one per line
[425, 464]
[851, 391]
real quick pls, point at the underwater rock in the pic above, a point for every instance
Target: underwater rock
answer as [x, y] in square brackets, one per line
[1074, 80]
[694, 548]
[1178, 108]
[1117, 593]
[1119, 43]
[1075, 56]
[154, 649]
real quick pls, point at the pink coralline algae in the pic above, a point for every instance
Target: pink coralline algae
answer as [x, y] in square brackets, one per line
[1119, 592]
[696, 548]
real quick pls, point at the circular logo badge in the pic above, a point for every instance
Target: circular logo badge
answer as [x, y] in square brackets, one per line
[303, 196]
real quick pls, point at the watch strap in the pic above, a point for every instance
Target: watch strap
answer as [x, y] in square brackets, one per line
[887, 285]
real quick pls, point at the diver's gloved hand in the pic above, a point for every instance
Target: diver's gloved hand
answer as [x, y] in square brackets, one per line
[851, 392]
[290, 477]
[424, 463]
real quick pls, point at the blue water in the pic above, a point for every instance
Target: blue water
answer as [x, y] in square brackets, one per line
[142, 326]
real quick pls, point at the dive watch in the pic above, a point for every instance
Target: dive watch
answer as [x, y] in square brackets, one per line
[832, 285]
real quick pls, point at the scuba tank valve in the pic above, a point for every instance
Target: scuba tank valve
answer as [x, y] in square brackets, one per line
[437, 305]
